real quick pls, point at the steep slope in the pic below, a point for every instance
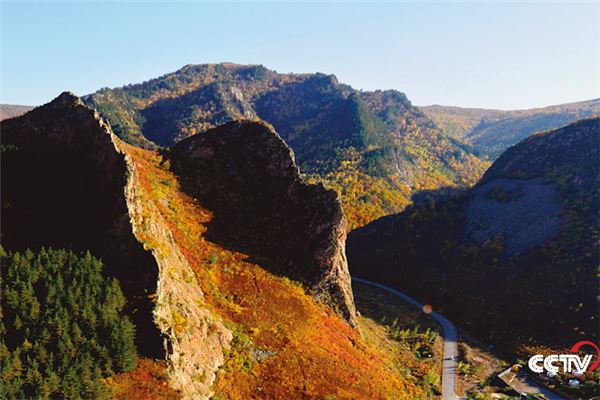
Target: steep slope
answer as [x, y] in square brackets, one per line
[493, 131]
[514, 258]
[10, 111]
[56, 192]
[373, 148]
[232, 326]
[284, 343]
[67, 183]
[244, 168]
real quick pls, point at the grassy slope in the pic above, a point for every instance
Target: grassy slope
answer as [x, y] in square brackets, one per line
[310, 351]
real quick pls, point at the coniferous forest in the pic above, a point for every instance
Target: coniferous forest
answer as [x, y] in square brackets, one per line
[67, 328]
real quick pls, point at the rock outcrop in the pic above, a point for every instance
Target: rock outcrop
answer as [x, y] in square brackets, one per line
[67, 181]
[197, 346]
[62, 186]
[246, 175]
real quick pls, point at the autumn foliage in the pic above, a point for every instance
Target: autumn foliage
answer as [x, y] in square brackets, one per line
[147, 382]
[285, 344]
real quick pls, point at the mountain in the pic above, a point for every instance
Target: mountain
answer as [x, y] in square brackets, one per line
[490, 132]
[257, 304]
[513, 259]
[374, 148]
[56, 192]
[227, 164]
[10, 111]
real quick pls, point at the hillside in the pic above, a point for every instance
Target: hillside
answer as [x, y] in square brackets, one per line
[10, 111]
[490, 132]
[297, 229]
[237, 321]
[373, 148]
[86, 208]
[513, 259]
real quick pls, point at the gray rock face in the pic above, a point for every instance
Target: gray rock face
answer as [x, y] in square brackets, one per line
[246, 175]
[525, 212]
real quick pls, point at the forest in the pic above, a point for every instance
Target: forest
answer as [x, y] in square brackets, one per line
[67, 329]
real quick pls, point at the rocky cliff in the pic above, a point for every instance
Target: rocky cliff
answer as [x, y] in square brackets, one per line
[246, 174]
[62, 186]
[67, 181]
[196, 351]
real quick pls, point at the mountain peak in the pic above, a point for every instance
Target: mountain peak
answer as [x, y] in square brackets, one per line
[66, 98]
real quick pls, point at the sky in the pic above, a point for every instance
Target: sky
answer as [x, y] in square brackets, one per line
[491, 55]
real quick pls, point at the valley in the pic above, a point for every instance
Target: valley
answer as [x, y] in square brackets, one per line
[265, 235]
[491, 263]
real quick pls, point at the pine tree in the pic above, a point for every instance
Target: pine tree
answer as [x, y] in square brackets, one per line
[62, 326]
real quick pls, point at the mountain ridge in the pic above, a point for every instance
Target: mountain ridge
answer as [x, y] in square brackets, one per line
[229, 325]
[493, 256]
[492, 131]
[338, 134]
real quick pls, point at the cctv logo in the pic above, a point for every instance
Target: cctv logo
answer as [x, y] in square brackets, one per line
[570, 362]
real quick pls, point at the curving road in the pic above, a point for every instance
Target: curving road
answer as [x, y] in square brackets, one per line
[449, 334]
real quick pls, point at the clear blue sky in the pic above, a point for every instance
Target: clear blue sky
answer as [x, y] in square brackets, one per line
[501, 55]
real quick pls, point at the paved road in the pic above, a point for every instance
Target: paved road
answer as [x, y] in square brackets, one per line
[449, 334]
[521, 385]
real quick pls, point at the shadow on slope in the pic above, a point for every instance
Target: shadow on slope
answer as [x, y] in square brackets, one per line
[544, 293]
[246, 175]
[62, 186]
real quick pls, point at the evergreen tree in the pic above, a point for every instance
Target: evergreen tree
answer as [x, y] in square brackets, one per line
[62, 327]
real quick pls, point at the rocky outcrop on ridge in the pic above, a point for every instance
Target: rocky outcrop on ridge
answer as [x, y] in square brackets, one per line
[68, 182]
[246, 175]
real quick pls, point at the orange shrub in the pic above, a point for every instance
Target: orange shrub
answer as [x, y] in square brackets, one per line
[285, 343]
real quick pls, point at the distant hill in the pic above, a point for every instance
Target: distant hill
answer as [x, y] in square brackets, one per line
[514, 258]
[490, 132]
[374, 148]
[10, 111]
